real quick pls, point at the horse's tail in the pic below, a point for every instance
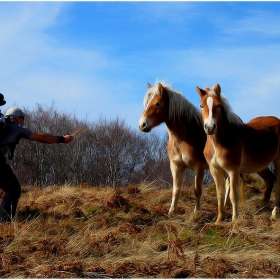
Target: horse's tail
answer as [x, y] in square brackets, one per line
[241, 189]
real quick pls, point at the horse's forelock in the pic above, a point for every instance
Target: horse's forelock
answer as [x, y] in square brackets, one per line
[152, 91]
[211, 92]
[150, 95]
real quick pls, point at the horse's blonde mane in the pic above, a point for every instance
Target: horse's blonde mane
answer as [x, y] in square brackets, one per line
[230, 115]
[179, 106]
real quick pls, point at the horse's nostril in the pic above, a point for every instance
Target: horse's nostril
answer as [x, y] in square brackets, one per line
[144, 125]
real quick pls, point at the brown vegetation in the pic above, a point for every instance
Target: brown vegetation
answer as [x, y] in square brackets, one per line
[89, 232]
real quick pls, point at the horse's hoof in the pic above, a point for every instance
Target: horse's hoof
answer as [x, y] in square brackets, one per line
[218, 221]
[234, 219]
[195, 217]
[171, 213]
[265, 203]
[274, 213]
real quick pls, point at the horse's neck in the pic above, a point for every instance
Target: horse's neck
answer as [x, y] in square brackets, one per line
[186, 130]
[227, 134]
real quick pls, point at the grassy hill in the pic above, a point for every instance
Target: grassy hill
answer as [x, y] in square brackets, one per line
[86, 232]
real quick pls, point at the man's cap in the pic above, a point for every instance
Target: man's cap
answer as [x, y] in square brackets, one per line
[14, 112]
[2, 101]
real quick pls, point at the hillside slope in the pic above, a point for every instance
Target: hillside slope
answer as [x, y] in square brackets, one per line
[86, 232]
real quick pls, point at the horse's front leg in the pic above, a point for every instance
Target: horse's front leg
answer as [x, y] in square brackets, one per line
[241, 189]
[177, 171]
[218, 176]
[234, 192]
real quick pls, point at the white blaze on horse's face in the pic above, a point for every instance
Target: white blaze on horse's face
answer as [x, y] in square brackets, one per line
[145, 123]
[155, 111]
[210, 124]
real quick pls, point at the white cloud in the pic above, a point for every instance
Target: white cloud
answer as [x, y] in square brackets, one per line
[35, 68]
[39, 72]
[261, 23]
[23, 19]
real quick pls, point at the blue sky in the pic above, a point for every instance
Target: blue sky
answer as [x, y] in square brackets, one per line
[95, 58]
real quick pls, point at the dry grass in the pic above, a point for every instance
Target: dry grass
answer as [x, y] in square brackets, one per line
[86, 232]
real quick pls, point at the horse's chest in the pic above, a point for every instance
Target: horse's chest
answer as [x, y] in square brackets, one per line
[214, 155]
[180, 154]
[221, 157]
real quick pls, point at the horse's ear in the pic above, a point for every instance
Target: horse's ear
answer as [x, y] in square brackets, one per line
[160, 88]
[217, 89]
[200, 91]
[149, 86]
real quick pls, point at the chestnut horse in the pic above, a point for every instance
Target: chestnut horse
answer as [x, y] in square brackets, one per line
[186, 135]
[234, 147]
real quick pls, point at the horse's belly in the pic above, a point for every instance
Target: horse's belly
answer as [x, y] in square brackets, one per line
[259, 155]
[255, 164]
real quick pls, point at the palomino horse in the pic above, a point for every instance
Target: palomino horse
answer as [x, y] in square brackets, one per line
[186, 135]
[234, 147]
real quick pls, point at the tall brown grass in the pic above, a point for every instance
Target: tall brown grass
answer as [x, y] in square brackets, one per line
[87, 232]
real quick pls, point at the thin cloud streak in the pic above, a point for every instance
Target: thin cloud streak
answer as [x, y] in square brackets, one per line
[264, 24]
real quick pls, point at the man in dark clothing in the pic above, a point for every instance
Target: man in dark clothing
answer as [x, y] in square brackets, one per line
[2, 101]
[8, 181]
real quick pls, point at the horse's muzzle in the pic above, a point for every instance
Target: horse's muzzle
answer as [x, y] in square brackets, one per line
[144, 127]
[210, 130]
[145, 124]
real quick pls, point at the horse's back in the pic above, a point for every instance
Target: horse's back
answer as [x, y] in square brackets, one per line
[261, 123]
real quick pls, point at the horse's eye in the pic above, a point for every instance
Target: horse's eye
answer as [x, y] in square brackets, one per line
[219, 106]
[158, 104]
[200, 106]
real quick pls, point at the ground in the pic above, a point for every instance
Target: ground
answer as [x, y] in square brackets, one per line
[90, 232]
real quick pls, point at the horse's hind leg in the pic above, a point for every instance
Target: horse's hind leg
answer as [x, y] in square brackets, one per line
[275, 211]
[177, 174]
[198, 188]
[269, 180]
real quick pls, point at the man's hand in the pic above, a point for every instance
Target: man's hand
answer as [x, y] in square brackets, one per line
[68, 138]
